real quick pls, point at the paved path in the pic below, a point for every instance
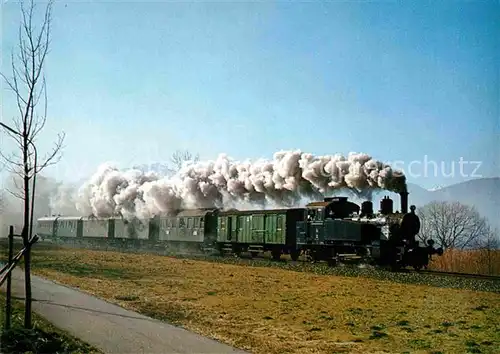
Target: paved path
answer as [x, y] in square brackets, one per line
[109, 327]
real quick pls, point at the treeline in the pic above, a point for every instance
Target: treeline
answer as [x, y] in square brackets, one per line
[470, 243]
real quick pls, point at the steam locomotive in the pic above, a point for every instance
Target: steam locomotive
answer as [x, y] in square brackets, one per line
[333, 230]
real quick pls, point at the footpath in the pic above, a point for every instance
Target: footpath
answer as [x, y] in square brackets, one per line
[109, 327]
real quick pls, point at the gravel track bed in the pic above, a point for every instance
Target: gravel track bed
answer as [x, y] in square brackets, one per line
[443, 281]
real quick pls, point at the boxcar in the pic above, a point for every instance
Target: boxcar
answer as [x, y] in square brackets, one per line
[259, 231]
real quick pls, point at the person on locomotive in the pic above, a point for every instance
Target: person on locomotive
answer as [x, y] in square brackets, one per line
[410, 227]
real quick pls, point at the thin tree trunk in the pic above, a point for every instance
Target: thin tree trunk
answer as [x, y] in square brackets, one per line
[27, 255]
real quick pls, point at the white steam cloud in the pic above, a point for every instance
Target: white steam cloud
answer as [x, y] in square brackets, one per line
[282, 181]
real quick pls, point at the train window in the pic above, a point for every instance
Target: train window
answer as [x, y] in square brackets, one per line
[181, 222]
[196, 223]
[190, 223]
[201, 221]
[279, 220]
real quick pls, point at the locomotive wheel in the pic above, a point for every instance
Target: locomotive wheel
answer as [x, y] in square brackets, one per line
[294, 255]
[395, 267]
[332, 262]
[254, 254]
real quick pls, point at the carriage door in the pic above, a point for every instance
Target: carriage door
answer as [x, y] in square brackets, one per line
[232, 228]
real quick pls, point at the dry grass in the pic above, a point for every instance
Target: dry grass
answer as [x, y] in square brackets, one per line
[473, 261]
[268, 310]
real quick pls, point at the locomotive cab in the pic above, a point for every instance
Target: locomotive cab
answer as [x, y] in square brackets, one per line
[329, 232]
[330, 208]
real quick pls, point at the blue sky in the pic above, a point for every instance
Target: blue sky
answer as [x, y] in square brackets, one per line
[131, 82]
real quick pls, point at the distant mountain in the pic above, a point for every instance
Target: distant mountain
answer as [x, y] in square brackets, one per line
[482, 193]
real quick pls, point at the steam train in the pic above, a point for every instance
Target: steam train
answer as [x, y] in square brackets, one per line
[332, 230]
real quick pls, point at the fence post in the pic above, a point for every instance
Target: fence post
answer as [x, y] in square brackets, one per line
[8, 297]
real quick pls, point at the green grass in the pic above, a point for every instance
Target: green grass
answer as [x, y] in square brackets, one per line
[43, 338]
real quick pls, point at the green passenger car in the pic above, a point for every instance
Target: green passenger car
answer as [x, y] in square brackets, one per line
[185, 228]
[259, 231]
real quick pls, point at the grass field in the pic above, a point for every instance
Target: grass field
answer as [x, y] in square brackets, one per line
[43, 338]
[269, 310]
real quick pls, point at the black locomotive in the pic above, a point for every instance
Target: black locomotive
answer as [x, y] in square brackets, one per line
[337, 229]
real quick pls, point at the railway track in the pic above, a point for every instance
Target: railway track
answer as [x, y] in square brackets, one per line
[457, 274]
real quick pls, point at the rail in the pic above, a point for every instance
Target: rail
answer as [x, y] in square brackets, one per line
[458, 274]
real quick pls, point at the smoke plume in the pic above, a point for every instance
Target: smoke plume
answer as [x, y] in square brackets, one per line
[281, 182]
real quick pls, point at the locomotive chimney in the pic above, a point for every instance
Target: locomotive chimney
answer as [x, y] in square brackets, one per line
[404, 202]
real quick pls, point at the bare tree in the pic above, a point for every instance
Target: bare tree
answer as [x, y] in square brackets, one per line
[29, 87]
[452, 224]
[179, 157]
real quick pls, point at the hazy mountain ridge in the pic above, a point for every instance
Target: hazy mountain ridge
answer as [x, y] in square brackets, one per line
[482, 193]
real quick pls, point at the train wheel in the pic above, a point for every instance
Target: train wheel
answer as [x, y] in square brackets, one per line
[276, 254]
[396, 267]
[332, 262]
[254, 254]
